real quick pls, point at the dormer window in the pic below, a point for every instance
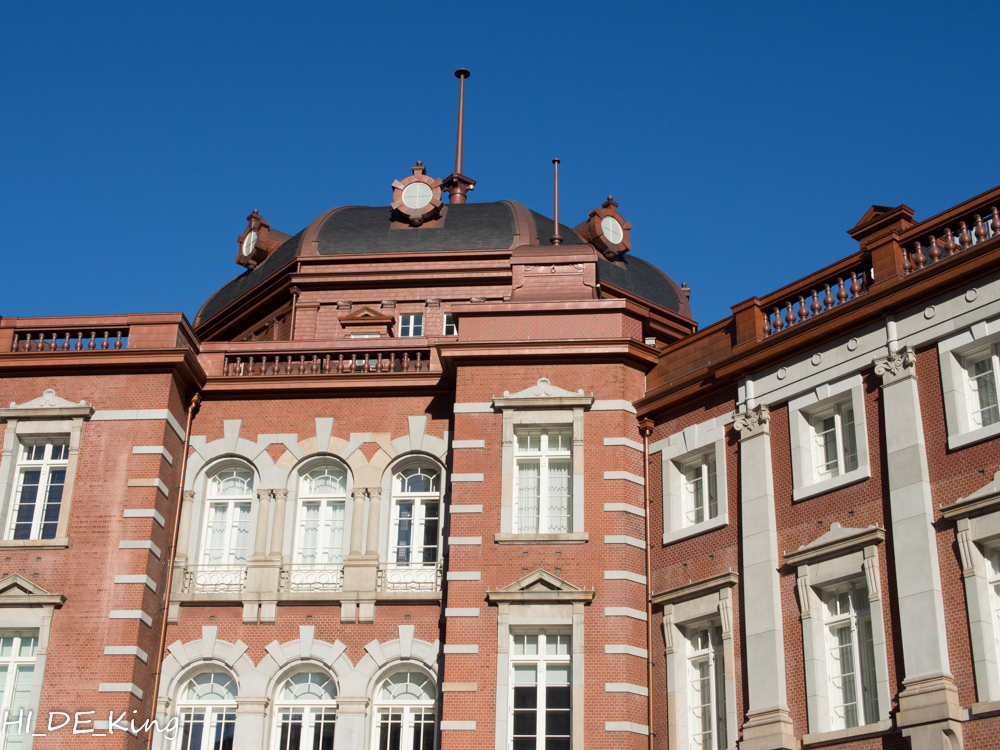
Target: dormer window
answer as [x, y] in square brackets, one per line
[612, 230]
[417, 195]
[249, 243]
[417, 199]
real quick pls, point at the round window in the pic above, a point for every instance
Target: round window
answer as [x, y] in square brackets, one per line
[417, 195]
[612, 230]
[249, 242]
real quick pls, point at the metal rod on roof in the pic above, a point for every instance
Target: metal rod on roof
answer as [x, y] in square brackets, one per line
[461, 74]
[556, 239]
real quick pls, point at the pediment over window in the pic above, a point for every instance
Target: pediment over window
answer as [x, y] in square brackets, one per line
[983, 500]
[543, 394]
[16, 591]
[540, 586]
[47, 406]
[366, 316]
[835, 542]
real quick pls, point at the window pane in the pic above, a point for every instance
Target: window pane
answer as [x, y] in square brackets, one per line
[528, 497]
[825, 429]
[559, 497]
[694, 495]
[983, 392]
[850, 439]
[869, 688]
[720, 701]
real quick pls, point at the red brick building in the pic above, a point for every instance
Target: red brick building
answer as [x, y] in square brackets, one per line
[422, 478]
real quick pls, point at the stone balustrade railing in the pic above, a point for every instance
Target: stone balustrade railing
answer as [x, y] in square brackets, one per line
[408, 577]
[784, 309]
[342, 363]
[69, 341]
[214, 579]
[298, 577]
[943, 240]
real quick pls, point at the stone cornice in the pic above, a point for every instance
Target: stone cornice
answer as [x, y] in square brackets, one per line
[834, 543]
[985, 499]
[696, 588]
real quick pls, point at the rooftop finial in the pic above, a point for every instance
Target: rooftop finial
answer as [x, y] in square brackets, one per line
[556, 239]
[457, 184]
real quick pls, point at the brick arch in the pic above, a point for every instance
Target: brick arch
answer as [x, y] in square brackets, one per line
[188, 659]
[284, 659]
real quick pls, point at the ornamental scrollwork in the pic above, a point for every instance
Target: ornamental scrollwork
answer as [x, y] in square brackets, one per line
[753, 420]
[896, 362]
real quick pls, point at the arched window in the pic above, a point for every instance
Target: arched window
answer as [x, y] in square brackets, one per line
[227, 529]
[405, 712]
[207, 708]
[415, 537]
[319, 537]
[306, 712]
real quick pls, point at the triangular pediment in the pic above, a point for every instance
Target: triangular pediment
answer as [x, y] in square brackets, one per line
[540, 586]
[542, 389]
[838, 540]
[18, 591]
[984, 500]
[48, 405]
[543, 394]
[368, 316]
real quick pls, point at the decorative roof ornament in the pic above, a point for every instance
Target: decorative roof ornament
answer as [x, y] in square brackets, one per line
[607, 230]
[417, 198]
[753, 421]
[253, 242]
[457, 185]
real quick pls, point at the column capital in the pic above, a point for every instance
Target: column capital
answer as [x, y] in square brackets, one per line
[374, 493]
[753, 421]
[896, 366]
[280, 495]
[359, 493]
[264, 494]
[189, 495]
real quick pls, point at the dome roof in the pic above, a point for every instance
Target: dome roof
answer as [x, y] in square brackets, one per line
[356, 230]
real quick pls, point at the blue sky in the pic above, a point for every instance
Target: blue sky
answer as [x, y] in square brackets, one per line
[741, 139]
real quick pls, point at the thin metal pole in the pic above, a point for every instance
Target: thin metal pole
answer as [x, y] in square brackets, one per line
[461, 74]
[646, 430]
[158, 664]
[556, 238]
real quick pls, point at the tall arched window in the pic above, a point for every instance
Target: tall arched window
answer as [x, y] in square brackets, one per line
[227, 530]
[320, 534]
[415, 537]
[207, 708]
[405, 712]
[306, 712]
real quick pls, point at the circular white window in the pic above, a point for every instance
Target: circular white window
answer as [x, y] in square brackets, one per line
[612, 230]
[249, 242]
[417, 195]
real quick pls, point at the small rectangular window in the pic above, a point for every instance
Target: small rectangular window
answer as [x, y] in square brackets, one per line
[544, 479]
[450, 329]
[41, 479]
[411, 325]
[981, 387]
[701, 495]
[835, 444]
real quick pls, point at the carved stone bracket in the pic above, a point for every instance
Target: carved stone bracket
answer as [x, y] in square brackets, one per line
[753, 421]
[897, 366]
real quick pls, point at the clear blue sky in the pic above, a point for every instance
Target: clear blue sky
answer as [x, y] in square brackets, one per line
[741, 139]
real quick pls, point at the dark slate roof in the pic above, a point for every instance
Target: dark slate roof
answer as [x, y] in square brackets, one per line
[644, 280]
[246, 281]
[468, 226]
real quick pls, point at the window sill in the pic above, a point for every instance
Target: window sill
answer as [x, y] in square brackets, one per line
[704, 527]
[576, 537]
[986, 708]
[974, 436]
[829, 485]
[60, 543]
[845, 735]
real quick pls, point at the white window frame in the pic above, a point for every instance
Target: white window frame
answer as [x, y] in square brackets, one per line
[836, 424]
[14, 713]
[803, 412]
[407, 710]
[215, 712]
[311, 709]
[411, 325]
[541, 661]
[701, 489]
[418, 520]
[712, 655]
[858, 612]
[450, 326]
[324, 555]
[544, 456]
[48, 465]
[955, 353]
[229, 557]
[695, 444]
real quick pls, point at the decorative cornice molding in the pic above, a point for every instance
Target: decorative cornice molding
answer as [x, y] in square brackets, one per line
[834, 543]
[541, 586]
[753, 421]
[696, 589]
[48, 406]
[986, 498]
[543, 395]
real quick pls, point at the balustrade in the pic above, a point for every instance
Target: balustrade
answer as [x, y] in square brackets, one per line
[948, 241]
[326, 364]
[80, 340]
[311, 577]
[794, 309]
[214, 579]
[408, 577]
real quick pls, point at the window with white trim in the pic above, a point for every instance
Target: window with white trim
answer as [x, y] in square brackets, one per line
[411, 325]
[543, 481]
[305, 712]
[541, 691]
[416, 509]
[981, 387]
[405, 712]
[17, 672]
[993, 579]
[41, 478]
[207, 709]
[701, 494]
[227, 525]
[319, 537]
[850, 656]
[835, 443]
[707, 670]
[450, 327]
